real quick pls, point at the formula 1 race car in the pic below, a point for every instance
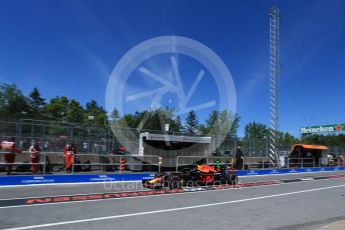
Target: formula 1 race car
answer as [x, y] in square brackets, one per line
[200, 175]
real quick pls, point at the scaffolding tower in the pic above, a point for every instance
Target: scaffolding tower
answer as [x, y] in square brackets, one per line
[274, 85]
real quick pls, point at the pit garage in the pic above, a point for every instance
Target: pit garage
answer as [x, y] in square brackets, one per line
[169, 147]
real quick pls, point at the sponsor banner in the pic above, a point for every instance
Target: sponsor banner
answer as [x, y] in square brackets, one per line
[292, 171]
[252, 172]
[90, 178]
[86, 178]
[323, 129]
[284, 171]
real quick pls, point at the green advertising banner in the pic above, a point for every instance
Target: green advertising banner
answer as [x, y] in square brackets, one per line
[323, 129]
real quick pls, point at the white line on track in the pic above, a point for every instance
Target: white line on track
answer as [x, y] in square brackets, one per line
[172, 209]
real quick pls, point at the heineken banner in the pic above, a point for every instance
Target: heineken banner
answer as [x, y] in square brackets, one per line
[323, 129]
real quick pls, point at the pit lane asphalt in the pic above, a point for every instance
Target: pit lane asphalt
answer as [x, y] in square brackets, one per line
[75, 189]
[251, 208]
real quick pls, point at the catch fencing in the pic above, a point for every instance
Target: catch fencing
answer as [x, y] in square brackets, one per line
[96, 145]
[54, 163]
[100, 139]
[116, 163]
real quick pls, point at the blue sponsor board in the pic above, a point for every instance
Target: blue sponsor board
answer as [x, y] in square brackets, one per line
[87, 178]
[285, 171]
[92, 178]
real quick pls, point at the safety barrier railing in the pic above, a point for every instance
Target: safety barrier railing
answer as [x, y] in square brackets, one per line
[49, 162]
[329, 162]
[301, 163]
[118, 163]
[256, 163]
[53, 162]
[22, 164]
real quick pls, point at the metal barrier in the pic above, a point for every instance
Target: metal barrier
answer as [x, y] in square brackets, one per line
[325, 162]
[20, 155]
[19, 164]
[120, 163]
[256, 163]
[49, 161]
[52, 162]
[301, 163]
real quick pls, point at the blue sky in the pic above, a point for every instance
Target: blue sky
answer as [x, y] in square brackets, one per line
[71, 47]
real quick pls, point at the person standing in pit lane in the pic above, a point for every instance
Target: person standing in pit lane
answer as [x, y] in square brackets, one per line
[35, 151]
[11, 149]
[239, 158]
[69, 152]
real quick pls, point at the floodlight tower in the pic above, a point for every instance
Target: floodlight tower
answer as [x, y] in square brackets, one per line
[274, 85]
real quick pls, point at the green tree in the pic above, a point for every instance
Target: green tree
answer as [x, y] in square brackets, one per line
[115, 116]
[13, 104]
[286, 140]
[75, 112]
[57, 108]
[235, 125]
[192, 124]
[97, 112]
[152, 120]
[57, 128]
[177, 125]
[164, 116]
[212, 124]
[256, 136]
[37, 104]
[254, 130]
[328, 140]
[222, 123]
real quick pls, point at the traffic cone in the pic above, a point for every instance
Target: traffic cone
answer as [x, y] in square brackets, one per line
[122, 164]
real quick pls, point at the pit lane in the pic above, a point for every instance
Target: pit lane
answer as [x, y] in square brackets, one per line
[251, 207]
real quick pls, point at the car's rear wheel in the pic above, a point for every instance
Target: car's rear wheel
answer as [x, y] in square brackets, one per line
[233, 179]
[174, 182]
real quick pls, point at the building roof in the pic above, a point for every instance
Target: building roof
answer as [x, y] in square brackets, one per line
[321, 147]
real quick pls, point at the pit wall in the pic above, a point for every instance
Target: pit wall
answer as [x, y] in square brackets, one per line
[101, 178]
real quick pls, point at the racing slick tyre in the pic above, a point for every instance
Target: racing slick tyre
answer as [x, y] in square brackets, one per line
[174, 182]
[233, 179]
[189, 177]
[186, 171]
